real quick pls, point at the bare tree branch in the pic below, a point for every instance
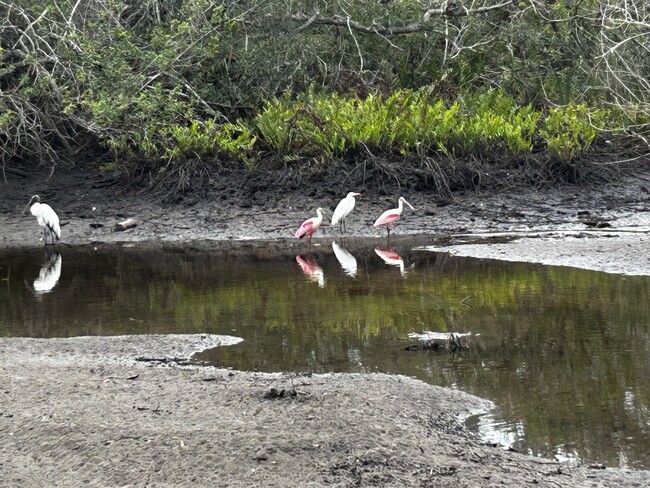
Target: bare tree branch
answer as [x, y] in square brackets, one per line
[450, 10]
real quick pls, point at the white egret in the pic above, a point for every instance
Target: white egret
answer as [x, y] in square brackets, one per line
[47, 218]
[344, 207]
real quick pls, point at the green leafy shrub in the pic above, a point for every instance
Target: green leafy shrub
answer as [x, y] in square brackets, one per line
[486, 124]
[570, 130]
[496, 124]
[273, 124]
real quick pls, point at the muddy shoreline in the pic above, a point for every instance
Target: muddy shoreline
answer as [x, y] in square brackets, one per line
[85, 411]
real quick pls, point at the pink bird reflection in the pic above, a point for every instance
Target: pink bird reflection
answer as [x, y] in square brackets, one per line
[311, 269]
[391, 258]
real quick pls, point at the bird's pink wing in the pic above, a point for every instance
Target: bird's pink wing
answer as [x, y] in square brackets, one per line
[307, 228]
[387, 218]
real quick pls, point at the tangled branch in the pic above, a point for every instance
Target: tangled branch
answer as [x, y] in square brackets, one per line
[450, 9]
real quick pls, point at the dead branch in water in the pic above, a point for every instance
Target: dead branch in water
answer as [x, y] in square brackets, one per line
[453, 343]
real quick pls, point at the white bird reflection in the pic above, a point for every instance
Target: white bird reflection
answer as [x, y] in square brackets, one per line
[48, 276]
[348, 261]
[311, 269]
[391, 258]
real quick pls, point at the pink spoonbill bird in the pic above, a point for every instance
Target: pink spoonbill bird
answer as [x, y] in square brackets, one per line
[46, 217]
[344, 207]
[310, 226]
[390, 216]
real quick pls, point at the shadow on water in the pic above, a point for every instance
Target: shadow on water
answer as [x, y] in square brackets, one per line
[563, 353]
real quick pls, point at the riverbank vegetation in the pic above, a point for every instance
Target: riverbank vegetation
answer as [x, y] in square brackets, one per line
[436, 95]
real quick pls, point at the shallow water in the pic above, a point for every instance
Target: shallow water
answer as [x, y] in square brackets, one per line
[563, 353]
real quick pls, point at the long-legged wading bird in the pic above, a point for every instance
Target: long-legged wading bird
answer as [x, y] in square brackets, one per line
[344, 207]
[390, 216]
[47, 218]
[310, 226]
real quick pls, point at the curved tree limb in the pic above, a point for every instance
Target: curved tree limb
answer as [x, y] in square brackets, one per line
[450, 10]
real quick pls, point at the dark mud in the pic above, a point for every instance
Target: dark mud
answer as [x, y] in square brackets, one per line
[90, 207]
[83, 411]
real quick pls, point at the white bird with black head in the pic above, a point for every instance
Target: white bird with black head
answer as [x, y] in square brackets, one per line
[47, 218]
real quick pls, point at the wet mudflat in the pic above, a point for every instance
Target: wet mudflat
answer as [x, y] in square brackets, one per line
[84, 409]
[562, 352]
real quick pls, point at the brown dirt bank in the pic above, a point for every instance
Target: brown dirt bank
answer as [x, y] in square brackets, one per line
[82, 412]
[236, 209]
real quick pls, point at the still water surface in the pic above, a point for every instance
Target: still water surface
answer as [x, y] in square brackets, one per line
[563, 353]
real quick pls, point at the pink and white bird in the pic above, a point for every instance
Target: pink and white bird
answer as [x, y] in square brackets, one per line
[46, 217]
[310, 226]
[390, 216]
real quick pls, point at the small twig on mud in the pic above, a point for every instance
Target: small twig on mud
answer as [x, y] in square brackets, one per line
[134, 437]
[557, 472]
[135, 376]
[179, 361]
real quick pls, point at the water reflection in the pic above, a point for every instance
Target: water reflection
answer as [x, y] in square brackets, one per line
[347, 261]
[311, 269]
[563, 353]
[391, 258]
[49, 275]
[495, 430]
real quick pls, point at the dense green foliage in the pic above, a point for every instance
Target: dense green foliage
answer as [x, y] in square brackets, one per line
[171, 89]
[488, 124]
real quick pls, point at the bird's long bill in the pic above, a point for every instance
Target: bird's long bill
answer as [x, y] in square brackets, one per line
[30, 202]
[412, 208]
